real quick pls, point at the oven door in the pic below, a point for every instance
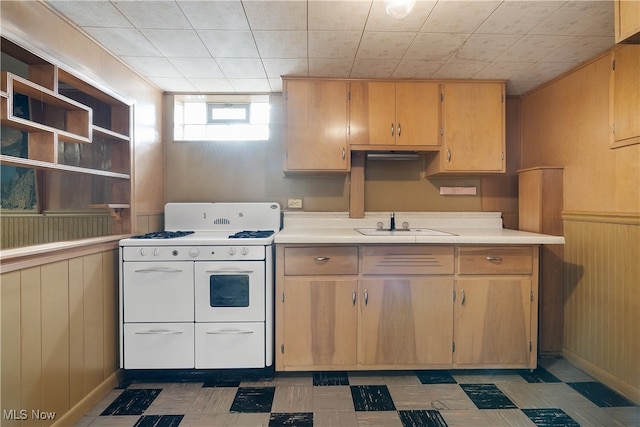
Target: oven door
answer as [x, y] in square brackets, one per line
[230, 291]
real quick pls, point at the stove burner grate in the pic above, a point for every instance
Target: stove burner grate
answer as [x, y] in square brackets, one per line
[251, 234]
[163, 235]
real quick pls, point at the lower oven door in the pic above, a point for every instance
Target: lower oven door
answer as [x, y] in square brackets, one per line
[228, 291]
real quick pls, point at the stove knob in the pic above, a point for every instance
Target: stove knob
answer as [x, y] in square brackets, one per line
[194, 252]
[232, 251]
[245, 251]
[143, 251]
[156, 252]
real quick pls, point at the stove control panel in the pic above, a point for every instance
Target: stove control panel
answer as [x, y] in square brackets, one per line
[194, 253]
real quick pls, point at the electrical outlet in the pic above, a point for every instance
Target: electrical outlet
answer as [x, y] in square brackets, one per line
[294, 203]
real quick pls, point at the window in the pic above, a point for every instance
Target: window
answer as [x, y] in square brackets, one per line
[221, 117]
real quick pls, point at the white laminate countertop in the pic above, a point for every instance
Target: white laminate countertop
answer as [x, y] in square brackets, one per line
[464, 228]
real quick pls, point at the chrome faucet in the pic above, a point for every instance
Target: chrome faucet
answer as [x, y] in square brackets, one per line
[392, 223]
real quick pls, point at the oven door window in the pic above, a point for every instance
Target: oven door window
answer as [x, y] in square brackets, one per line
[229, 290]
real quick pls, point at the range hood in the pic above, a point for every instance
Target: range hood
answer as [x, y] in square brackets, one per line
[393, 155]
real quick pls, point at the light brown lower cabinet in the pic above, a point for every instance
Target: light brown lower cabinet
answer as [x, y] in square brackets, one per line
[362, 307]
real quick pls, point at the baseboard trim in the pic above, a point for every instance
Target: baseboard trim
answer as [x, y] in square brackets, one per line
[80, 409]
[627, 390]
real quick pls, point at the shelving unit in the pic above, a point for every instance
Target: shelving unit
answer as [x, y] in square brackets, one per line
[77, 135]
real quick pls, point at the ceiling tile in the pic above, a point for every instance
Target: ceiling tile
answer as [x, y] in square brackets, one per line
[286, 67]
[518, 17]
[329, 67]
[177, 43]
[276, 15]
[543, 71]
[152, 66]
[459, 69]
[229, 43]
[533, 48]
[242, 68]
[384, 45]
[338, 15]
[373, 68]
[153, 14]
[458, 16]
[215, 15]
[590, 18]
[281, 44]
[434, 46]
[172, 84]
[408, 69]
[577, 49]
[92, 13]
[486, 47]
[197, 67]
[379, 20]
[250, 85]
[501, 70]
[124, 41]
[520, 87]
[211, 85]
[333, 44]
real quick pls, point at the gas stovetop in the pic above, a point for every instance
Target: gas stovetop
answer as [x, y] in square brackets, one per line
[201, 224]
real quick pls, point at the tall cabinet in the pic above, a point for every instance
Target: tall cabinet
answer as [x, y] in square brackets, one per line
[540, 210]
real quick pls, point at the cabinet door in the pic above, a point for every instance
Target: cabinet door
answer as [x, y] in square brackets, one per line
[473, 124]
[492, 322]
[316, 125]
[625, 92]
[319, 322]
[372, 113]
[627, 20]
[405, 321]
[417, 113]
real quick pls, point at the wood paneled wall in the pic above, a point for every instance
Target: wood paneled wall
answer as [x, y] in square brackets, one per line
[602, 297]
[59, 337]
[20, 231]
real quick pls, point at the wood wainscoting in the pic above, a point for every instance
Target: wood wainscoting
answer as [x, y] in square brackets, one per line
[59, 328]
[602, 297]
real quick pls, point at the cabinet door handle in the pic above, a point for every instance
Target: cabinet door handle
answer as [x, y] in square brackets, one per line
[392, 129]
[463, 298]
[321, 259]
[399, 130]
[448, 155]
[344, 153]
[353, 297]
[494, 258]
[366, 297]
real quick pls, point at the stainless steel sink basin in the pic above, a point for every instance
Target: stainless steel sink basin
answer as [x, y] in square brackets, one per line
[402, 232]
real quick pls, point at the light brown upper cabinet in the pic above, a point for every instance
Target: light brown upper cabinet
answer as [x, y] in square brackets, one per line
[316, 117]
[473, 129]
[627, 21]
[388, 115]
[625, 96]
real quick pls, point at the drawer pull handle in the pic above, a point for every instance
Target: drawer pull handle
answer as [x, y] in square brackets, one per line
[230, 332]
[159, 332]
[159, 270]
[494, 258]
[229, 271]
[321, 259]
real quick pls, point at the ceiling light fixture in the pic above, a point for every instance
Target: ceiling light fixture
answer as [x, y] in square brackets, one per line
[399, 8]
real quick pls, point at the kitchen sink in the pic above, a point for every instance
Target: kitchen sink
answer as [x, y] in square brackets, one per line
[402, 232]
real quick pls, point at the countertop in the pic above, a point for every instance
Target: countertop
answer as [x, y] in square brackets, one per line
[464, 228]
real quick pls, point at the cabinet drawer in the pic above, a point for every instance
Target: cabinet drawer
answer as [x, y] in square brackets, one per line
[407, 260]
[495, 260]
[319, 260]
[158, 346]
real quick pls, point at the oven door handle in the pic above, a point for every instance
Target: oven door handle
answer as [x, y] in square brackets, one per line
[159, 332]
[159, 270]
[230, 271]
[230, 332]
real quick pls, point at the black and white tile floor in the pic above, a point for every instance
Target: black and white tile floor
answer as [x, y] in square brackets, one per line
[556, 394]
